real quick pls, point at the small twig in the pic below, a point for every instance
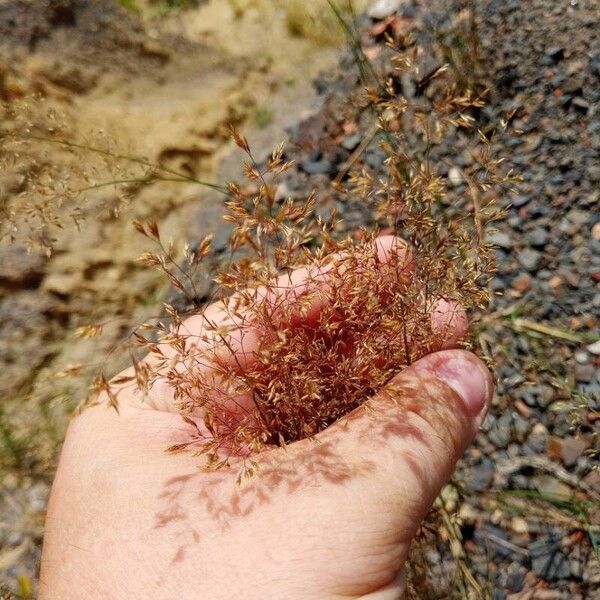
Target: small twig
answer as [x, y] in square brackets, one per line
[508, 466]
[563, 334]
[357, 153]
[133, 159]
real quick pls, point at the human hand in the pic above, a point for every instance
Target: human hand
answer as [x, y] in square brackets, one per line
[326, 518]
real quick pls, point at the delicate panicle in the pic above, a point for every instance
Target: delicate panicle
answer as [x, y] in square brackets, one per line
[311, 322]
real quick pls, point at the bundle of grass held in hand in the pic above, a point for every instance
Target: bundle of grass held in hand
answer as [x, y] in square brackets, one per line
[311, 323]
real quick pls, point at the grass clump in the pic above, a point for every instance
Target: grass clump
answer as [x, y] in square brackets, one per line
[64, 178]
[281, 357]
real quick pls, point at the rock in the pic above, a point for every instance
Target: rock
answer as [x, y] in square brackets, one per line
[571, 277]
[576, 568]
[449, 496]
[594, 173]
[578, 217]
[523, 409]
[556, 53]
[594, 348]
[515, 578]
[467, 513]
[591, 573]
[38, 497]
[520, 200]
[384, 8]
[499, 239]
[433, 557]
[515, 221]
[572, 86]
[319, 167]
[493, 537]
[455, 176]
[530, 395]
[480, 476]
[547, 560]
[534, 142]
[529, 259]
[521, 427]
[547, 395]
[500, 432]
[351, 142]
[596, 231]
[375, 158]
[568, 450]
[555, 282]
[580, 104]
[546, 484]
[585, 373]
[519, 525]
[552, 566]
[592, 479]
[538, 237]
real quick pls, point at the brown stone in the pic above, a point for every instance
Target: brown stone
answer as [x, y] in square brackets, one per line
[568, 450]
[592, 479]
[522, 282]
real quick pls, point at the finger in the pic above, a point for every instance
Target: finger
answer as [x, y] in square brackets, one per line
[314, 286]
[412, 434]
[449, 324]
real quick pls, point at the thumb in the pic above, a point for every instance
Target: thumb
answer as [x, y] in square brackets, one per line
[412, 434]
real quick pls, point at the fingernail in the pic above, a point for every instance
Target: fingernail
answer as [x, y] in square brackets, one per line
[470, 379]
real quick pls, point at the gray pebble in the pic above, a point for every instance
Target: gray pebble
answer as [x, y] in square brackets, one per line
[520, 200]
[319, 167]
[538, 237]
[529, 259]
[480, 476]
